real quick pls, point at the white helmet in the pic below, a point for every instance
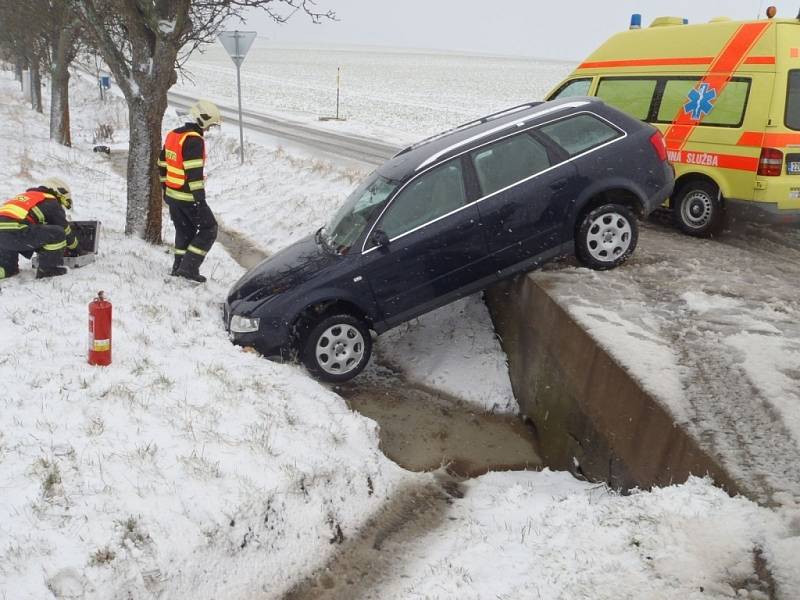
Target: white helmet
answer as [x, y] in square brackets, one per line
[60, 189]
[205, 114]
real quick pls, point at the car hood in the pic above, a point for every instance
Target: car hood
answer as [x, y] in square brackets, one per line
[280, 272]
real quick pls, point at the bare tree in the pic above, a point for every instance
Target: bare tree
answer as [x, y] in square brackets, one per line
[143, 42]
[41, 35]
[62, 32]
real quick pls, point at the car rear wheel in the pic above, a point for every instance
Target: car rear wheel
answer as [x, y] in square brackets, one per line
[697, 208]
[337, 348]
[606, 237]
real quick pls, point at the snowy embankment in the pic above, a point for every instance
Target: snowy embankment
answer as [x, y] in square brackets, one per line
[190, 468]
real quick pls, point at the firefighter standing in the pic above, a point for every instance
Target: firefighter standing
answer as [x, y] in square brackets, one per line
[35, 221]
[181, 172]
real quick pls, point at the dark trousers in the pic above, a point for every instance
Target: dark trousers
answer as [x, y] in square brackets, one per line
[30, 239]
[195, 226]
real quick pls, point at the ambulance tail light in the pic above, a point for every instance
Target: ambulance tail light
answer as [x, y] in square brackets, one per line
[771, 162]
[657, 139]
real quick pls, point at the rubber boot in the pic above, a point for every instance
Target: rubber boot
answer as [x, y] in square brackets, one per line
[190, 267]
[176, 265]
[43, 273]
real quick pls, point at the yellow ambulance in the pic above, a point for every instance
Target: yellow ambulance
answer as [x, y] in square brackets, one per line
[726, 96]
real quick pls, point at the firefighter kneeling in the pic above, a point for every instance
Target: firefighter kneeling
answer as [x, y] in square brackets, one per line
[35, 221]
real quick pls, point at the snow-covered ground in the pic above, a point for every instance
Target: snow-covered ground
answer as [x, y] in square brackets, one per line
[712, 329]
[190, 468]
[384, 93]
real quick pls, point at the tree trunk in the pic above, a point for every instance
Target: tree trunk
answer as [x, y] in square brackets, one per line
[36, 87]
[18, 71]
[143, 216]
[59, 88]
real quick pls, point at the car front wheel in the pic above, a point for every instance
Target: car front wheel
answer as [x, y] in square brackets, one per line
[606, 237]
[337, 348]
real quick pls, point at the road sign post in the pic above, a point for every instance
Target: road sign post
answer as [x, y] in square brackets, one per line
[237, 43]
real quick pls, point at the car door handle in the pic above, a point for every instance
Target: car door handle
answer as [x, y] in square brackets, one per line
[559, 184]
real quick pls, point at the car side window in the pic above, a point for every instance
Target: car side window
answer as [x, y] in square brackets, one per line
[509, 161]
[579, 133]
[428, 197]
[576, 87]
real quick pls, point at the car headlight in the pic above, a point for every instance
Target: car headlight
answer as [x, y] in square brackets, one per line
[240, 324]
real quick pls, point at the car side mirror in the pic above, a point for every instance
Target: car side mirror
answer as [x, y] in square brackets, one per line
[380, 238]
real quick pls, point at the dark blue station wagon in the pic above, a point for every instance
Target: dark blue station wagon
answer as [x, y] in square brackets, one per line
[449, 216]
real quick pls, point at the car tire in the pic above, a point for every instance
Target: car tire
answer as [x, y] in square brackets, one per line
[697, 209]
[607, 236]
[337, 348]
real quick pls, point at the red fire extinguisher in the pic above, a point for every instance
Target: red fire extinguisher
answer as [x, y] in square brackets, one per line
[100, 331]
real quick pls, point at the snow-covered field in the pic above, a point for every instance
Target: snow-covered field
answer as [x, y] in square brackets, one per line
[382, 90]
[189, 468]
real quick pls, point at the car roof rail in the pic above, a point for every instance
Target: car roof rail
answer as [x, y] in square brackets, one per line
[468, 124]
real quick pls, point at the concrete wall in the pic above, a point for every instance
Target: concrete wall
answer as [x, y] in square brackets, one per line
[591, 416]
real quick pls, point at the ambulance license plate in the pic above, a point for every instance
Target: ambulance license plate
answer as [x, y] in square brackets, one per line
[793, 164]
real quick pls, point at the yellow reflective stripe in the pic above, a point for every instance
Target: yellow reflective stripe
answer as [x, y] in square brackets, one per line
[12, 226]
[73, 245]
[14, 211]
[179, 252]
[196, 250]
[56, 246]
[162, 179]
[175, 170]
[2, 273]
[185, 196]
[162, 163]
[39, 214]
[196, 185]
[187, 134]
[193, 164]
[174, 180]
[67, 229]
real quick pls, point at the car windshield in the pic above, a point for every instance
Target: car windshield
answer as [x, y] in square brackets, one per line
[361, 206]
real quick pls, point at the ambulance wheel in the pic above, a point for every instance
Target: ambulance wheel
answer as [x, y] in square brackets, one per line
[606, 237]
[697, 208]
[337, 348]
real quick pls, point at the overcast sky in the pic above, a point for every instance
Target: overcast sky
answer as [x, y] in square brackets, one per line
[567, 29]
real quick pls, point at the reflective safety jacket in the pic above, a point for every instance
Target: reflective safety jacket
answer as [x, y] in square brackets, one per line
[181, 164]
[36, 207]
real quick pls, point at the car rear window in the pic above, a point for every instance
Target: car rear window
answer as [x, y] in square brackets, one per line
[580, 133]
[726, 111]
[793, 101]
[633, 96]
[509, 161]
[576, 87]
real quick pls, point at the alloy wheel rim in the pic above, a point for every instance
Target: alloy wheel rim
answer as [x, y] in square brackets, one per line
[609, 237]
[696, 209]
[339, 349]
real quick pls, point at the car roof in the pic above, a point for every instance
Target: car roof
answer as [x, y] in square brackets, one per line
[454, 141]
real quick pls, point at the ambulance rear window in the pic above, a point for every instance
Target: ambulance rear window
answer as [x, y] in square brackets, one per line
[727, 110]
[793, 101]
